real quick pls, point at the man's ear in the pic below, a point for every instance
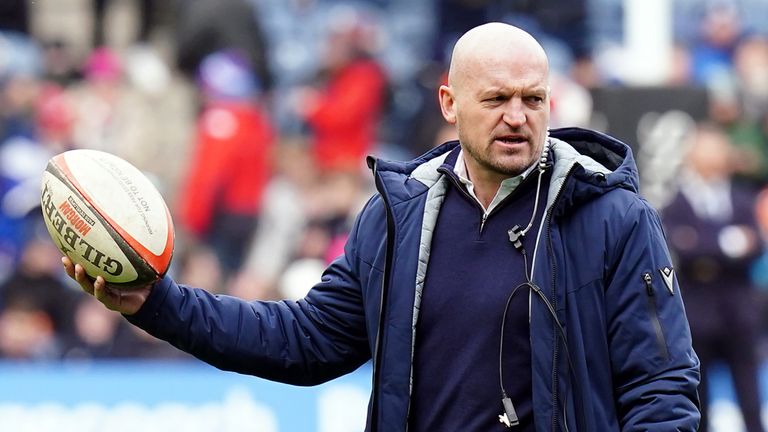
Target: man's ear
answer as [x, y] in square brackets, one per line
[447, 104]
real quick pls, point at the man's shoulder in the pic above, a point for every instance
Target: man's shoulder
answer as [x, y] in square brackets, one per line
[618, 206]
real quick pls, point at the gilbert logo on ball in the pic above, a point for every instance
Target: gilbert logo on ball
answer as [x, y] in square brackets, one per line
[105, 215]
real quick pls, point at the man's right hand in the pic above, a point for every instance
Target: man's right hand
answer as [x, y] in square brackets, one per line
[127, 302]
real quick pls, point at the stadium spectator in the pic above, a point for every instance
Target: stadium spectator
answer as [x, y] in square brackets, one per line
[98, 334]
[222, 192]
[289, 199]
[339, 197]
[59, 63]
[19, 83]
[95, 334]
[199, 263]
[302, 226]
[743, 109]
[101, 115]
[750, 64]
[715, 237]
[35, 123]
[712, 52]
[161, 110]
[54, 119]
[460, 324]
[36, 303]
[115, 114]
[23, 156]
[27, 332]
[343, 107]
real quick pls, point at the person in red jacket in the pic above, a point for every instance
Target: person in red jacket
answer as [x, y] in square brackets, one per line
[221, 196]
[343, 109]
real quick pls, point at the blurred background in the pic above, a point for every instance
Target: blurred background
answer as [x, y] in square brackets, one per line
[253, 118]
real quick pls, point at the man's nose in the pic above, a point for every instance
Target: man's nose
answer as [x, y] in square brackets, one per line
[514, 115]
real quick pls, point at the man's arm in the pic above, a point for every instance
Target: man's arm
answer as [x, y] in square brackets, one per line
[305, 342]
[655, 370]
[301, 342]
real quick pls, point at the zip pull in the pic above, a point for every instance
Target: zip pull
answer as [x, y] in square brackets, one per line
[653, 313]
[648, 283]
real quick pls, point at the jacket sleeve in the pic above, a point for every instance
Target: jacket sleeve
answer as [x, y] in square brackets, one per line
[303, 342]
[655, 370]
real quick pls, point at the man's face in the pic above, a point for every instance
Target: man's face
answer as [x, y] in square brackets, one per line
[500, 107]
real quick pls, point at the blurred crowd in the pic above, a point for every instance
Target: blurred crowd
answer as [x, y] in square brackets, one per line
[254, 118]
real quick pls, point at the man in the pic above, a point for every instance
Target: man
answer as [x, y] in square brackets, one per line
[219, 202]
[476, 304]
[715, 238]
[343, 105]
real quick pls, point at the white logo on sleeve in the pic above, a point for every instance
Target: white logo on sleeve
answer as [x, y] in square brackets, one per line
[668, 275]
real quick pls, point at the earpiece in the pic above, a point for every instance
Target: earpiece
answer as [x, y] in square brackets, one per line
[516, 234]
[509, 416]
[544, 156]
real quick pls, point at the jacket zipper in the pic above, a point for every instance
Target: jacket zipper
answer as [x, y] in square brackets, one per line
[462, 190]
[654, 315]
[556, 348]
[555, 351]
[377, 354]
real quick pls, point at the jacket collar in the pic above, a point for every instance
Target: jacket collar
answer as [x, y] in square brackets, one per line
[597, 162]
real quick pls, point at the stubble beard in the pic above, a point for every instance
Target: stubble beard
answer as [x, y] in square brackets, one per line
[486, 159]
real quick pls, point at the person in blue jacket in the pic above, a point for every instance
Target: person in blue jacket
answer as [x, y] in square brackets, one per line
[511, 279]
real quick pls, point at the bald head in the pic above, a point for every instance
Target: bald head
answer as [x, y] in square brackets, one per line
[488, 44]
[497, 97]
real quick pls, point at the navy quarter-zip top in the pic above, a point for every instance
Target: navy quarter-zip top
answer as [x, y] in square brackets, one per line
[473, 268]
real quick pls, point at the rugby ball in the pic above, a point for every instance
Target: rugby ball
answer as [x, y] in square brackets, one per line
[105, 215]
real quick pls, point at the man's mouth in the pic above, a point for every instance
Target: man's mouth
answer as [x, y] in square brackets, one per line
[512, 139]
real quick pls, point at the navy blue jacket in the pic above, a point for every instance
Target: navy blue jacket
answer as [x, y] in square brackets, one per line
[599, 259]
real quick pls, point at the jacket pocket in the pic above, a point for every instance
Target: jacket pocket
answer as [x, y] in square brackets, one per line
[653, 313]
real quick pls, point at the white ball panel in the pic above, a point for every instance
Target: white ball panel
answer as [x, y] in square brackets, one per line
[131, 199]
[80, 235]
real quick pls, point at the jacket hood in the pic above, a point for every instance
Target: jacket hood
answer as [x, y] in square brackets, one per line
[595, 163]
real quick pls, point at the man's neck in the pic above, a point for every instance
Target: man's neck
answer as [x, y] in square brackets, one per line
[483, 187]
[485, 190]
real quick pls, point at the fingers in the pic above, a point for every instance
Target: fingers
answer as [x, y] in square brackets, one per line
[82, 278]
[68, 266]
[77, 272]
[109, 296]
[100, 290]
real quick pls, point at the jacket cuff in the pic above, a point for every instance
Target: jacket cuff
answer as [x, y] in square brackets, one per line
[150, 310]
